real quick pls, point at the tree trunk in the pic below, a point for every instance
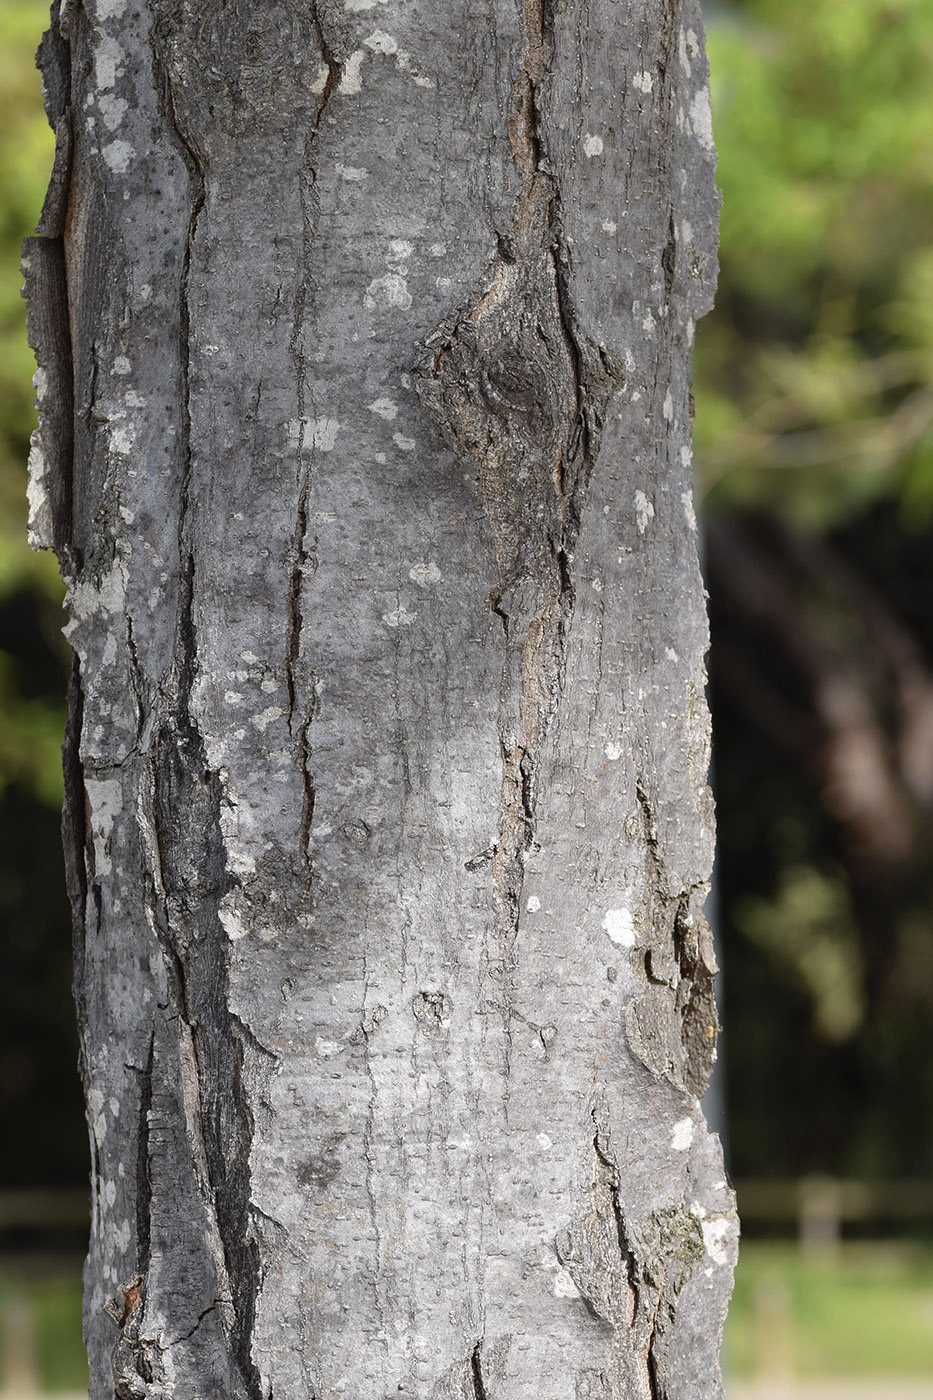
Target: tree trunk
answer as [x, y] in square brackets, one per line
[364, 335]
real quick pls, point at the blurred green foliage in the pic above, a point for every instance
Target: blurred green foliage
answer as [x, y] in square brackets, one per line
[814, 390]
[33, 718]
[52, 1302]
[814, 376]
[40, 1103]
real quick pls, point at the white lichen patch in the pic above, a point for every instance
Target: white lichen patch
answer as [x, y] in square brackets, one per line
[716, 1235]
[105, 800]
[108, 63]
[425, 574]
[671, 654]
[620, 926]
[398, 253]
[122, 439]
[350, 79]
[319, 82]
[544, 1142]
[533, 905]
[357, 6]
[644, 511]
[648, 322]
[592, 145]
[701, 118]
[112, 109]
[613, 751]
[682, 1135]
[564, 1286]
[682, 53]
[41, 524]
[407, 444]
[399, 617]
[230, 919]
[118, 156]
[689, 511]
[353, 174]
[643, 82]
[609, 226]
[386, 408]
[323, 434]
[327, 1049]
[239, 860]
[87, 599]
[110, 9]
[668, 407]
[313, 435]
[388, 290]
[380, 42]
[265, 718]
[95, 1103]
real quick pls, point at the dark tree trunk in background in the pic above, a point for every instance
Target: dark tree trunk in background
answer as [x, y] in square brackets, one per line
[364, 335]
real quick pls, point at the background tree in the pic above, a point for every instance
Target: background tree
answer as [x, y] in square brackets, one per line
[363, 343]
[815, 395]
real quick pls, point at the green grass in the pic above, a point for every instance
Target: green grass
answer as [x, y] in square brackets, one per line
[866, 1310]
[55, 1307]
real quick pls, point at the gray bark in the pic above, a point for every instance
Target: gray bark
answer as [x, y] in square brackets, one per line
[364, 334]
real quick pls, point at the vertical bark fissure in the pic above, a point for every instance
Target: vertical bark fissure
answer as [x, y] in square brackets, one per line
[299, 551]
[476, 1374]
[646, 1292]
[192, 857]
[197, 183]
[679, 957]
[74, 825]
[625, 1249]
[188, 817]
[144, 1168]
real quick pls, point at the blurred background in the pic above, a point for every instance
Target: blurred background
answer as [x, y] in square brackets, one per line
[814, 457]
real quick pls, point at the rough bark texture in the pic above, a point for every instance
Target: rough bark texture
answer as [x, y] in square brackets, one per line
[364, 333]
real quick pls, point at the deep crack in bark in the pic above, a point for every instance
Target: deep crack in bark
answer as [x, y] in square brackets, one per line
[192, 869]
[299, 551]
[476, 1374]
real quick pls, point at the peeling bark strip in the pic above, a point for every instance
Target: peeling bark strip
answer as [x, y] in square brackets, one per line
[365, 451]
